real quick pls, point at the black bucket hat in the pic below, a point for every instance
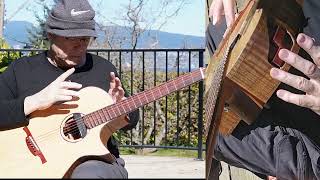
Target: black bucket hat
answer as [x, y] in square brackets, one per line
[71, 18]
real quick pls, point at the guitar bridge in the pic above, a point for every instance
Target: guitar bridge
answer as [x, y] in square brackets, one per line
[33, 147]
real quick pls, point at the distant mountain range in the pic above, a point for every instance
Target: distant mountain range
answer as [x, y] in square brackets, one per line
[16, 35]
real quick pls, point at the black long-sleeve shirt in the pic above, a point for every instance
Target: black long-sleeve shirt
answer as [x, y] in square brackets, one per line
[29, 75]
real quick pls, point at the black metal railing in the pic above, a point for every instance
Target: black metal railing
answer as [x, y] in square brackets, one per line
[174, 121]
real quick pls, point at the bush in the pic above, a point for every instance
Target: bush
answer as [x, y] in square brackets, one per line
[6, 57]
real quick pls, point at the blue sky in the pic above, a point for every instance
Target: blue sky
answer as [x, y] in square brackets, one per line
[189, 21]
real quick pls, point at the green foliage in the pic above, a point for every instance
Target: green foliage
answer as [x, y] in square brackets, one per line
[6, 57]
[127, 151]
[164, 152]
[181, 126]
[37, 34]
[182, 130]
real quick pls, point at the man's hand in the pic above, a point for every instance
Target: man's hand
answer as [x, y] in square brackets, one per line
[220, 8]
[311, 87]
[58, 90]
[116, 91]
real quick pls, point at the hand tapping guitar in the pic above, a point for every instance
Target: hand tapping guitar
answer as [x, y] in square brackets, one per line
[60, 135]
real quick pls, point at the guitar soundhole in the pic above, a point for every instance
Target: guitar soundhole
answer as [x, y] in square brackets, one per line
[73, 128]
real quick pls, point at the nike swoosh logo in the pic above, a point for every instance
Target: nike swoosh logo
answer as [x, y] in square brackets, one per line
[76, 13]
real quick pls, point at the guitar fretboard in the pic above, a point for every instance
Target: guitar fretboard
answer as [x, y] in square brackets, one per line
[138, 100]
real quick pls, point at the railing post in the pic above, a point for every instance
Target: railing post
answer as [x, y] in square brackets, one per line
[122, 58]
[200, 115]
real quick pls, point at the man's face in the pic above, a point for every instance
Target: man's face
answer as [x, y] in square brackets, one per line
[69, 51]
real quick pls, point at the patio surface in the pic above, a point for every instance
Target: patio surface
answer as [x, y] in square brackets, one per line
[164, 167]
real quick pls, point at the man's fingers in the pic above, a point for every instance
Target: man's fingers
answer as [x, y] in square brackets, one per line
[117, 82]
[216, 11]
[229, 10]
[120, 94]
[65, 75]
[70, 85]
[63, 98]
[67, 92]
[307, 43]
[306, 67]
[112, 80]
[298, 99]
[297, 82]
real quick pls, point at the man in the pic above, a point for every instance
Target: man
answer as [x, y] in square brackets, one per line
[38, 82]
[283, 142]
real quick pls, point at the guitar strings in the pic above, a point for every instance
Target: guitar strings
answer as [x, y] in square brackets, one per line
[73, 125]
[146, 93]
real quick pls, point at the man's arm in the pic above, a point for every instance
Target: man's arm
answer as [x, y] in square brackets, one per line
[11, 105]
[14, 108]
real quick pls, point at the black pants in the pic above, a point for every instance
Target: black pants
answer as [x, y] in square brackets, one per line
[283, 141]
[94, 169]
[269, 149]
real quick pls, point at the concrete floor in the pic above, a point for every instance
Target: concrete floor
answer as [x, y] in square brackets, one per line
[164, 167]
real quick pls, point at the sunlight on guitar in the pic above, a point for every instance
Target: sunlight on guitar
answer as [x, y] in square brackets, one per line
[58, 136]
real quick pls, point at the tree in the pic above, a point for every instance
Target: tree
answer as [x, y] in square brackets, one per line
[137, 17]
[37, 34]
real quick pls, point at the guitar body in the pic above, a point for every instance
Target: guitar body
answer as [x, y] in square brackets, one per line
[238, 84]
[257, 36]
[56, 151]
[61, 137]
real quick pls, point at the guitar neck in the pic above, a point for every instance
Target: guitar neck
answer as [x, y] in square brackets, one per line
[140, 99]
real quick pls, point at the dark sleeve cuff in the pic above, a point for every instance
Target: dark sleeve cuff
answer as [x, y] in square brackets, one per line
[13, 114]
[133, 120]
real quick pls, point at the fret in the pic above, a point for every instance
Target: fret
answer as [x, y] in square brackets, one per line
[179, 84]
[156, 93]
[146, 99]
[96, 120]
[122, 110]
[189, 80]
[89, 121]
[117, 110]
[134, 103]
[131, 104]
[96, 123]
[112, 113]
[106, 114]
[193, 80]
[152, 93]
[184, 81]
[174, 84]
[139, 100]
[86, 121]
[101, 117]
[125, 106]
[142, 99]
[160, 91]
[167, 89]
[171, 87]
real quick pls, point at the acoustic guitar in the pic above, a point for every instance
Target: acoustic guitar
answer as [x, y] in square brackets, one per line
[59, 136]
[238, 84]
